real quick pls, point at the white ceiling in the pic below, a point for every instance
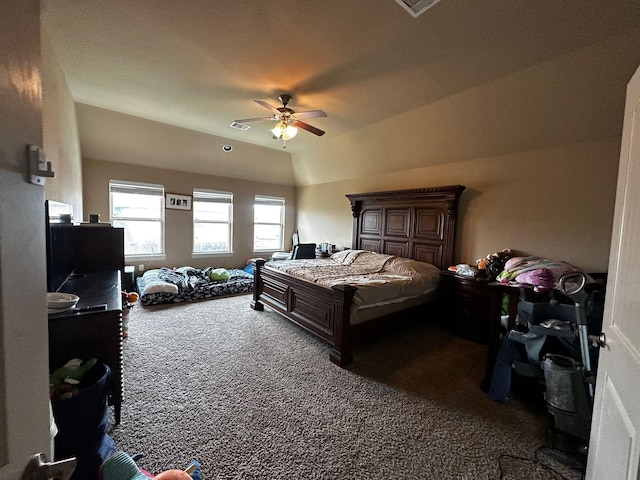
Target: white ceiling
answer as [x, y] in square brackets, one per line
[198, 64]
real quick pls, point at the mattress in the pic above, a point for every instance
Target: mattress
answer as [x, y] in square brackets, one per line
[186, 284]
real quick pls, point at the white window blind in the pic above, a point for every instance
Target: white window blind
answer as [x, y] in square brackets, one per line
[139, 209]
[212, 221]
[268, 223]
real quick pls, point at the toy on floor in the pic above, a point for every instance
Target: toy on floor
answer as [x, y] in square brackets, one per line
[128, 299]
[121, 466]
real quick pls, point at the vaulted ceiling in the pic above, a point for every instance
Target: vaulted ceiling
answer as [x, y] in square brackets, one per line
[199, 64]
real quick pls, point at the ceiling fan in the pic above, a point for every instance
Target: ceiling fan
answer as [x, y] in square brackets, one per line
[288, 121]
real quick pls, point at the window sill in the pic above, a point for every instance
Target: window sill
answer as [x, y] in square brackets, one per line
[137, 258]
[210, 254]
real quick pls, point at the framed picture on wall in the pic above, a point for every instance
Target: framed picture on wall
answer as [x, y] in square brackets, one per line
[178, 202]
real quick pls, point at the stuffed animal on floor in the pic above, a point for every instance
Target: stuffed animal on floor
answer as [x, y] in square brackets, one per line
[216, 274]
[121, 466]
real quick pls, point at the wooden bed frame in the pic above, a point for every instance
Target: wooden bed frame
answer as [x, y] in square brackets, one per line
[418, 224]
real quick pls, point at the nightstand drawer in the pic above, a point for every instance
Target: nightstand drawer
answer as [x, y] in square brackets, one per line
[468, 306]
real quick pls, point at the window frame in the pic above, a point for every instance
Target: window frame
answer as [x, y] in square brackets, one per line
[140, 187]
[270, 200]
[199, 195]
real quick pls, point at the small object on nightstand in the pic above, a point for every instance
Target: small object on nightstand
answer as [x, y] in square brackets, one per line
[466, 270]
[325, 250]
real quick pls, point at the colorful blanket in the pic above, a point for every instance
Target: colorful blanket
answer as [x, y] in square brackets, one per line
[538, 273]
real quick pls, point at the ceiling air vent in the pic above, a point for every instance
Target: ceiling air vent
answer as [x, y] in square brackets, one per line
[417, 7]
[240, 126]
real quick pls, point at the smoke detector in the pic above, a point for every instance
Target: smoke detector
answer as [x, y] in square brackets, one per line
[417, 7]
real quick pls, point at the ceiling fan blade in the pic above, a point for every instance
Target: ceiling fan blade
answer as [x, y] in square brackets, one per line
[309, 128]
[310, 114]
[245, 120]
[266, 105]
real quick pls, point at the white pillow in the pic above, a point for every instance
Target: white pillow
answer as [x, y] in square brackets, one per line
[346, 257]
[406, 266]
[153, 284]
[151, 275]
[158, 286]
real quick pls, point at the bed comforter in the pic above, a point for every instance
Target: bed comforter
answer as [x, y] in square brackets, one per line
[380, 279]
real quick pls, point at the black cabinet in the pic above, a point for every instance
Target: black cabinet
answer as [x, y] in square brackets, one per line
[88, 261]
[93, 329]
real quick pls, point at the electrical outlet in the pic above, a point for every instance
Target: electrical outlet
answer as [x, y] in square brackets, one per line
[140, 267]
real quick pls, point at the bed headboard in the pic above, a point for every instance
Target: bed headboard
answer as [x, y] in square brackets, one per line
[418, 223]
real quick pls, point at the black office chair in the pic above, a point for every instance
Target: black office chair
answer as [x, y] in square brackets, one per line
[303, 250]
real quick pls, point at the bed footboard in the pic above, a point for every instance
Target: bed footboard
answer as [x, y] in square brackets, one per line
[322, 311]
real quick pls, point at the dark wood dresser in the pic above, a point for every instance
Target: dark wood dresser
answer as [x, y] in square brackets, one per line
[93, 329]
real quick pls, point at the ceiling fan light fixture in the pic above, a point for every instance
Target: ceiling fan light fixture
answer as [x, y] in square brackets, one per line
[278, 130]
[284, 131]
[289, 132]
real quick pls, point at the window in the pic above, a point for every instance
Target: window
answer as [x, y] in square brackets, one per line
[212, 214]
[139, 209]
[268, 223]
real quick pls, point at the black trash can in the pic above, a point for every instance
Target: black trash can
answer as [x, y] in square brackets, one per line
[83, 423]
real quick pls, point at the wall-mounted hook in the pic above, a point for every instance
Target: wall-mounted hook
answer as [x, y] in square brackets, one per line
[39, 168]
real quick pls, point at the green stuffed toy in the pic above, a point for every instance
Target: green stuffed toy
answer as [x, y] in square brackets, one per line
[63, 382]
[219, 274]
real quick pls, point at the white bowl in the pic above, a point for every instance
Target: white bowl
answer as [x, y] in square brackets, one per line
[57, 301]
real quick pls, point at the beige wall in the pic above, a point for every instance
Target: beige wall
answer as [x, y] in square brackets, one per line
[557, 202]
[179, 226]
[60, 134]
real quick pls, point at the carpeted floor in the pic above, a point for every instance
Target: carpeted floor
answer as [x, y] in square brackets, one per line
[253, 396]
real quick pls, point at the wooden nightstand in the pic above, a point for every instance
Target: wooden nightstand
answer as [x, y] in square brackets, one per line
[471, 305]
[472, 308]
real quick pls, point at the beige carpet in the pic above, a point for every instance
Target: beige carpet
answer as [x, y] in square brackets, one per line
[253, 396]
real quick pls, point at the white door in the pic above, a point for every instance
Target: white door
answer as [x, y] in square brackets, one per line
[24, 389]
[614, 449]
